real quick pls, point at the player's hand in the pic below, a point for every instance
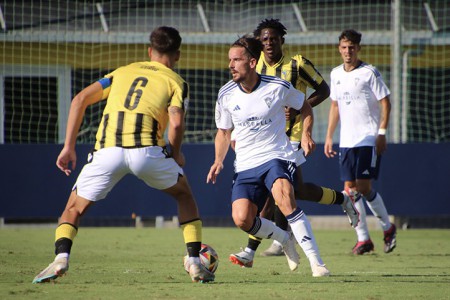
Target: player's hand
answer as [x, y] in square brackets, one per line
[308, 144]
[67, 160]
[328, 149]
[380, 144]
[216, 168]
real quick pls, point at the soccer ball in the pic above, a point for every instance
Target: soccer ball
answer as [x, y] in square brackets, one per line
[208, 258]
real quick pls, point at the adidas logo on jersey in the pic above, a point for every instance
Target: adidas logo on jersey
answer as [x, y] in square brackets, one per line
[236, 108]
[366, 172]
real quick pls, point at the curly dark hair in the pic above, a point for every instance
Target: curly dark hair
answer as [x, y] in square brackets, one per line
[270, 23]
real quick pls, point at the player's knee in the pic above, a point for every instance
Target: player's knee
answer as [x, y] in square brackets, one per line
[78, 205]
[180, 191]
[76, 210]
[242, 222]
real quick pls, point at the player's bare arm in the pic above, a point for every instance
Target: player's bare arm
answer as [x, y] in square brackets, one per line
[290, 113]
[175, 133]
[380, 143]
[333, 119]
[222, 143]
[308, 144]
[67, 159]
[319, 95]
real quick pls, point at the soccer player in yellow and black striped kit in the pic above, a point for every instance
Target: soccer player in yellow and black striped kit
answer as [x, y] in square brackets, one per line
[302, 74]
[143, 99]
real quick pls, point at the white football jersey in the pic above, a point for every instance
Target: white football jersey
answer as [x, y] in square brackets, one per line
[357, 94]
[258, 120]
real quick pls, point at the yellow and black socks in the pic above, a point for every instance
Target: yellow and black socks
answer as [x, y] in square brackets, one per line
[192, 233]
[330, 197]
[64, 235]
[253, 242]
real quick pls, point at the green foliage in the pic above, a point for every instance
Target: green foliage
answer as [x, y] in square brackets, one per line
[129, 263]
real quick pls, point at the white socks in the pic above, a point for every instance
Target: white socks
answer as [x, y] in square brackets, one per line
[250, 251]
[62, 255]
[362, 231]
[194, 260]
[303, 234]
[301, 228]
[379, 210]
[265, 229]
[277, 243]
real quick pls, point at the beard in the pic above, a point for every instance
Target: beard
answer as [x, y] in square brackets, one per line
[237, 77]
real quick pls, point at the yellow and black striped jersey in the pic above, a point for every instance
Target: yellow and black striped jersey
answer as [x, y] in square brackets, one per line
[136, 112]
[301, 73]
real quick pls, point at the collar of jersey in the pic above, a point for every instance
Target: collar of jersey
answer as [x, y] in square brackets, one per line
[276, 65]
[254, 88]
[156, 63]
[361, 63]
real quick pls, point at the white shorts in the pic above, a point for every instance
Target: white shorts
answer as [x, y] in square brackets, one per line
[107, 166]
[299, 155]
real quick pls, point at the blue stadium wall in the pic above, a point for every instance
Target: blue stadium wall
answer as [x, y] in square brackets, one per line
[414, 181]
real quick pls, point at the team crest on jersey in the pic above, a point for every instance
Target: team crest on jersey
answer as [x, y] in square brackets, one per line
[356, 81]
[268, 101]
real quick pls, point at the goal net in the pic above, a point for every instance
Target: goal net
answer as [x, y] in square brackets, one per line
[50, 50]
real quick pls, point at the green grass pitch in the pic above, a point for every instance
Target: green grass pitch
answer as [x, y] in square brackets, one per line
[146, 263]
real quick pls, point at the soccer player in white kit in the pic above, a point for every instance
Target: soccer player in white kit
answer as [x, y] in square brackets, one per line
[360, 100]
[253, 106]
[303, 75]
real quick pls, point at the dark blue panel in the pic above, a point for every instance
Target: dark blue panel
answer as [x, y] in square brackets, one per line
[414, 181]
